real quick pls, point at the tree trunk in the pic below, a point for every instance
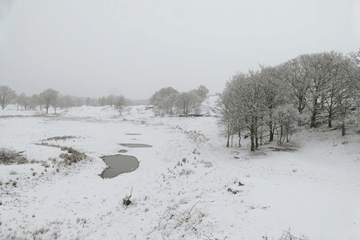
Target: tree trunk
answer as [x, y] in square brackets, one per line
[329, 119]
[280, 136]
[271, 132]
[343, 130]
[313, 115]
[252, 139]
[228, 140]
[300, 107]
[313, 120]
[239, 139]
[252, 142]
[256, 134]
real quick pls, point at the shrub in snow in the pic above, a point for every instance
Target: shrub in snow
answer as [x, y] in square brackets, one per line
[73, 156]
[186, 172]
[207, 164]
[288, 236]
[8, 156]
[22, 160]
[181, 221]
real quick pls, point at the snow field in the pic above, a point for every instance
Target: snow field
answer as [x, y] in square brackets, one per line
[184, 186]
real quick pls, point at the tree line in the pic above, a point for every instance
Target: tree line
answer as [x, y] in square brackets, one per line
[172, 102]
[311, 89]
[52, 98]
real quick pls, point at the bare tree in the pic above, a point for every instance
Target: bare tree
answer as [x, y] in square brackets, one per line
[286, 117]
[56, 101]
[188, 101]
[293, 73]
[120, 104]
[246, 101]
[276, 93]
[348, 95]
[6, 95]
[23, 101]
[67, 101]
[48, 97]
[203, 92]
[111, 99]
[321, 69]
[229, 118]
[34, 101]
[335, 85]
[102, 101]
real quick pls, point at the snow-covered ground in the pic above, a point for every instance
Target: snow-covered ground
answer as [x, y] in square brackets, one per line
[185, 184]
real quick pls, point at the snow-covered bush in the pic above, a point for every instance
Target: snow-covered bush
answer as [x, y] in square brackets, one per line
[73, 156]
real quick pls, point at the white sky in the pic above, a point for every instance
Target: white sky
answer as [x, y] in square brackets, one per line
[101, 47]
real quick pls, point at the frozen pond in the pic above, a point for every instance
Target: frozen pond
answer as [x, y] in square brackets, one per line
[119, 164]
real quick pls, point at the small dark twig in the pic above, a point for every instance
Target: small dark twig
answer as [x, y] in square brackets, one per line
[126, 200]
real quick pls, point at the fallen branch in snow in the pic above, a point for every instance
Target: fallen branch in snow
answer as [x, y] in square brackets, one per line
[233, 191]
[208, 238]
[288, 236]
[126, 200]
[181, 221]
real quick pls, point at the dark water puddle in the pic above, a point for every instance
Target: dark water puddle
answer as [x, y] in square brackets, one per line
[135, 145]
[119, 164]
[133, 134]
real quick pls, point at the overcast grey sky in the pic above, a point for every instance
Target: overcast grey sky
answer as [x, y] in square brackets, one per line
[101, 47]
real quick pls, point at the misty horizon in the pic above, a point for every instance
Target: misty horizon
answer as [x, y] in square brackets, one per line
[94, 49]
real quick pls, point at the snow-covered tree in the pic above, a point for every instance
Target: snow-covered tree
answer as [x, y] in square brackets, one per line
[102, 101]
[245, 96]
[187, 102]
[120, 103]
[286, 119]
[34, 101]
[111, 99]
[48, 98]
[276, 93]
[164, 101]
[23, 101]
[6, 95]
[202, 92]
